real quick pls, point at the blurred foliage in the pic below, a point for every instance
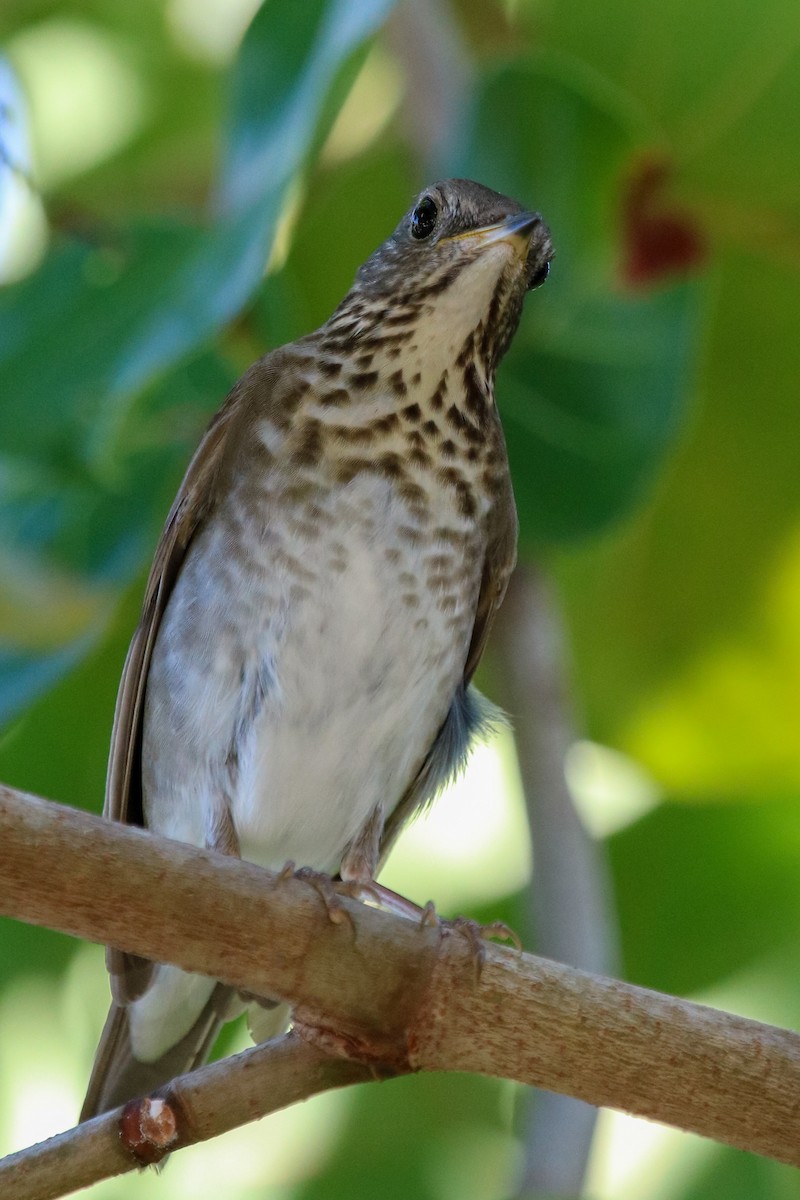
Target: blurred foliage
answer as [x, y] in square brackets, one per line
[649, 402]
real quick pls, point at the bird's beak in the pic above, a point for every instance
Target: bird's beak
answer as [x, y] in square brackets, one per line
[515, 231]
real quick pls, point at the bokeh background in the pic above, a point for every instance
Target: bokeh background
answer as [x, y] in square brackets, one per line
[187, 183]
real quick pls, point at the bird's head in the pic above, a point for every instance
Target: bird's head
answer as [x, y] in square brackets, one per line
[461, 259]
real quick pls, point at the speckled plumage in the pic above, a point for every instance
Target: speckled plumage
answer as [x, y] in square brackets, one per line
[321, 595]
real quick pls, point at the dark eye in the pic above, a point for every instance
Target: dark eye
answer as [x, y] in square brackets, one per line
[423, 219]
[539, 275]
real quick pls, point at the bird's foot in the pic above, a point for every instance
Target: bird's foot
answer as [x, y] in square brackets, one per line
[326, 888]
[476, 935]
[371, 892]
[426, 915]
[492, 931]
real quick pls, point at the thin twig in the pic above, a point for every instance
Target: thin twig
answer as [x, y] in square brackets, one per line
[210, 1101]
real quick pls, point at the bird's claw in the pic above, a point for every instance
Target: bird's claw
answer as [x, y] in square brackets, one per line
[495, 929]
[324, 886]
[331, 890]
[471, 928]
[366, 890]
[477, 936]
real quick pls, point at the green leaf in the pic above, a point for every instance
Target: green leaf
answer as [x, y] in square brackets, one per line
[289, 65]
[593, 389]
[450, 1135]
[24, 675]
[703, 890]
[737, 1175]
[301, 296]
[718, 85]
[697, 672]
[85, 337]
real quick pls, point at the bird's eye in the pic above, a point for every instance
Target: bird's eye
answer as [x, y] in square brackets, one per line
[539, 275]
[423, 219]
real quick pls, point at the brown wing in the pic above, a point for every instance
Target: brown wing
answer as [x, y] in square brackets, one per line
[501, 557]
[130, 975]
[123, 788]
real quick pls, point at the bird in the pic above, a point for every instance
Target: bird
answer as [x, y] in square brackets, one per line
[299, 684]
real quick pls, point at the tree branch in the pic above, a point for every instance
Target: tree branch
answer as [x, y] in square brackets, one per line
[426, 39]
[206, 1103]
[384, 991]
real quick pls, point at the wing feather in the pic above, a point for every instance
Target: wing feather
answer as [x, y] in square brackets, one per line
[500, 560]
[130, 975]
[192, 503]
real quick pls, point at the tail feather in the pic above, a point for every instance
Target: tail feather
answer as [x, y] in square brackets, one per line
[118, 1077]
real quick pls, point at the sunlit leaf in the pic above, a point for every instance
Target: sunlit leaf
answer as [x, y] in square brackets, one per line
[705, 575]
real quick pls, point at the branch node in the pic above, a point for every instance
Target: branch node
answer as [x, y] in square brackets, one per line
[148, 1128]
[383, 1061]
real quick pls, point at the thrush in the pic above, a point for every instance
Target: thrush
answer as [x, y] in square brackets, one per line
[299, 684]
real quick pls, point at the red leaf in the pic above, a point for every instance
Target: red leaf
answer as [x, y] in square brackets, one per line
[659, 238]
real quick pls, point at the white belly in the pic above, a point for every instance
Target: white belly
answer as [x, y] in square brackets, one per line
[352, 676]
[357, 712]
